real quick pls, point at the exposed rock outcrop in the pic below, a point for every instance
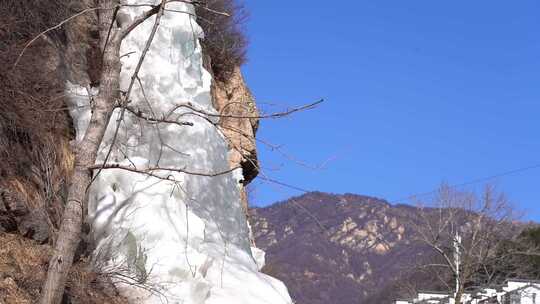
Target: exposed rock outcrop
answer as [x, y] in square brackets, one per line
[239, 123]
[360, 249]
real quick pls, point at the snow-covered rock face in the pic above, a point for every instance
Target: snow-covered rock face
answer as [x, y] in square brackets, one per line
[185, 241]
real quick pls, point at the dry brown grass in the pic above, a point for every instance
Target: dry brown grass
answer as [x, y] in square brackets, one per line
[225, 40]
[23, 266]
[35, 127]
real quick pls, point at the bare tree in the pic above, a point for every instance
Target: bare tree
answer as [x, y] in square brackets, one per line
[112, 31]
[464, 232]
[85, 156]
[516, 258]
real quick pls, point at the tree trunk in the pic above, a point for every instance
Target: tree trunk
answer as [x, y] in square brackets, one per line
[85, 156]
[459, 295]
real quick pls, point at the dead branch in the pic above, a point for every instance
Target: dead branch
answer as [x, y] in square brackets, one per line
[153, 119]
[140, 19]
[134, 77]
[150, 170]
[268, 116]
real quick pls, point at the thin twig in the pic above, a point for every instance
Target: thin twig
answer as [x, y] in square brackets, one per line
[267, 116]
[150, 170]
[125, 100]
[51, 29]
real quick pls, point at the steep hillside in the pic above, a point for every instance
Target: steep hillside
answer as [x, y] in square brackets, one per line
[338, 249]
[127, 137]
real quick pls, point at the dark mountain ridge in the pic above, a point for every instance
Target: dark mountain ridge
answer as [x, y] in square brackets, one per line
[342, 249]
[331, 248]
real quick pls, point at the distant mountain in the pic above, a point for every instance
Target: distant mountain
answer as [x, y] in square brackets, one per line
[338, 249]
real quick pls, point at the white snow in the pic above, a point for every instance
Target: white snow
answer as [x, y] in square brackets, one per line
[185, 241]
[79, 107]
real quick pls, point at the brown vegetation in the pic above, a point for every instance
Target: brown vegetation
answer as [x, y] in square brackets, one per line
[35, 127]
[23, 266]
[224, 39]
[34, 123]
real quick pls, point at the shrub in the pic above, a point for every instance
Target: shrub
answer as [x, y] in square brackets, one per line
[34, 123]
[29, 17]
[225, 41]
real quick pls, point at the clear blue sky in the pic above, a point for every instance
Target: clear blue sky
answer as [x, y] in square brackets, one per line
[417, 92]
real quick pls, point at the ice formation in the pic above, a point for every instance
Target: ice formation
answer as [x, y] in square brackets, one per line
[178, 242]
